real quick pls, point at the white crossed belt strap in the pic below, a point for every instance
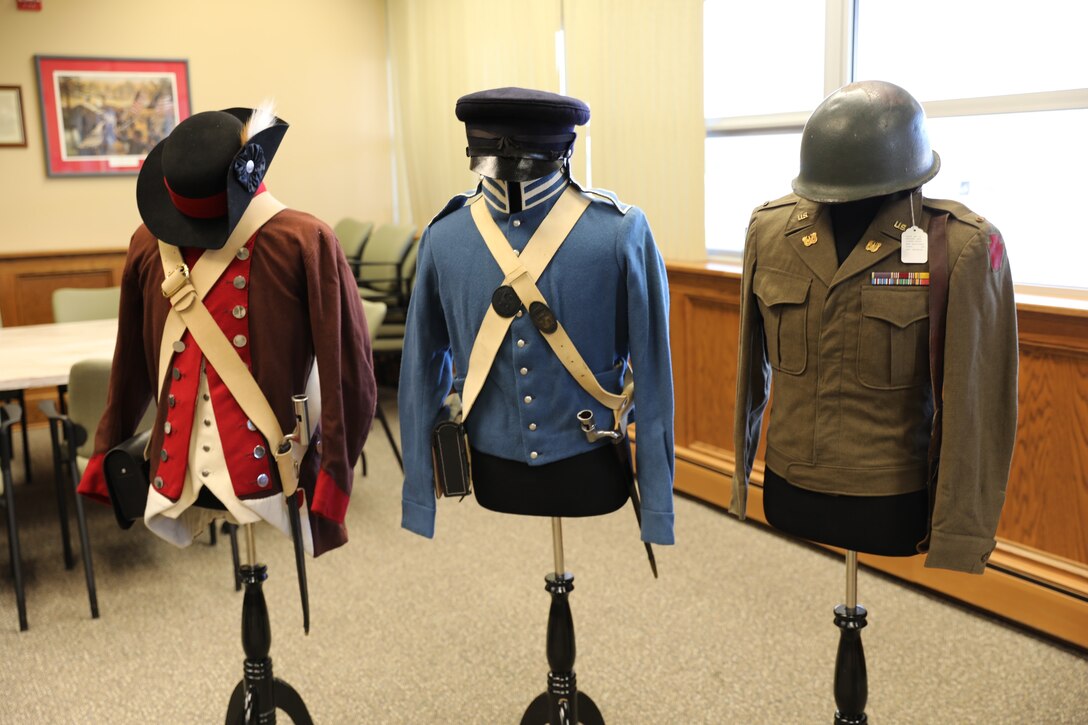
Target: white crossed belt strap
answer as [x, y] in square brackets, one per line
[521, 273]
[185, 289]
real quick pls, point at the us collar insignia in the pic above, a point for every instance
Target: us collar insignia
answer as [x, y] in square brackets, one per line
[900, 226]
[802, 216]
[872, 246]
[809, 240]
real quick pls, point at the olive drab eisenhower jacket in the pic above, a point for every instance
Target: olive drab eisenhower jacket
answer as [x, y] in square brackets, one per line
[850, 358]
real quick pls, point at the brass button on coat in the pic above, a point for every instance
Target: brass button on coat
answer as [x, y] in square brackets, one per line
[262, 480]
[532, 426]
[250, 426]
[159, 482]
[167, 428]
[243, 254]
[179, 346]
[533, 455]
[239, 340]
[171, 401]
[528, 399]
[163, 455]
[239, 312]
[239, 282]
[175, 374]
[258, 452]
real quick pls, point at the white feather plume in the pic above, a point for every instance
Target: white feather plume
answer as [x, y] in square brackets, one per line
[264, 116]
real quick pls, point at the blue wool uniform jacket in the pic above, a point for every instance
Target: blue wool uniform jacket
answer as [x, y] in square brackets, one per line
[608, 288]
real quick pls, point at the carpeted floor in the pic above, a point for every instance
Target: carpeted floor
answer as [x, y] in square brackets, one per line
[738, 629]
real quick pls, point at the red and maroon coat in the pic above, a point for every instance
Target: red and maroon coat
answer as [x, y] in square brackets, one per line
[289, 298]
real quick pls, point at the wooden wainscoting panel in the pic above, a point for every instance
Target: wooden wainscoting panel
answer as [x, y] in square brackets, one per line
[27, 280]
[1046, 502]
[34, 305]
[705, 322]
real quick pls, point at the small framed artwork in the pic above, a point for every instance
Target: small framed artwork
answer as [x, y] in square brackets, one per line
[101, 116]
[12, 128]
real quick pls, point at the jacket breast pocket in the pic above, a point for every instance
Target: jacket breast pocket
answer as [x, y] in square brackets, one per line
[893, 338]
[783, 302]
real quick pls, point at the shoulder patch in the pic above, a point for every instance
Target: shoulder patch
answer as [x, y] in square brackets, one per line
[456, 203]
[604, 195]
[957, 210]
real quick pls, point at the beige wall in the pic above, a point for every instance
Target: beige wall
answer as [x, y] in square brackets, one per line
[324, 63]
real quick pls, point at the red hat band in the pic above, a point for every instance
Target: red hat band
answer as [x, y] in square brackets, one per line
[208, 207]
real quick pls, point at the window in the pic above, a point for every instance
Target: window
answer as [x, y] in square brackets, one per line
[1004, 84]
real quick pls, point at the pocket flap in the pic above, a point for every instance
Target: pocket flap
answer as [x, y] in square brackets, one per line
[778, 288]
[899, 307]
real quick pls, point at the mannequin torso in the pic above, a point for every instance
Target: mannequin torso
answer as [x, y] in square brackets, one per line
[588, 484]
[884, 525]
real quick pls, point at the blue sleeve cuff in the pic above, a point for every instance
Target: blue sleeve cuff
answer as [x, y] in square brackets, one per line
[657, 527]
[417, 519]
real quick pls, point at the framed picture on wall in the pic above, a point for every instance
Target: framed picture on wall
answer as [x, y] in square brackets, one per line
[12, 128]
[101, 116]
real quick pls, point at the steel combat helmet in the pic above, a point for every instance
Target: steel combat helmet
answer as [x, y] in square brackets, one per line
[866, 139]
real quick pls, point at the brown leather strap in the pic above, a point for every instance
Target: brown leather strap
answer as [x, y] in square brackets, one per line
[938, 311]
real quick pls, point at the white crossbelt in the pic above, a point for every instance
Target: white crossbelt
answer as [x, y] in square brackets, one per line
[521, 272]
[186, 289]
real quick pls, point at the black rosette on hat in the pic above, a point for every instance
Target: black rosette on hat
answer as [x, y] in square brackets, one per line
[196, 184]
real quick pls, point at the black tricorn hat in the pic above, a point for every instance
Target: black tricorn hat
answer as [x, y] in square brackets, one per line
[197, 182]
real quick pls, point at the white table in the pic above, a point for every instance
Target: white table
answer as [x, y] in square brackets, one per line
[41, 356]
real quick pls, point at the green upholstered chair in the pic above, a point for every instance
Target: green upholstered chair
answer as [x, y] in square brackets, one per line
[353, 235]
[375, 313]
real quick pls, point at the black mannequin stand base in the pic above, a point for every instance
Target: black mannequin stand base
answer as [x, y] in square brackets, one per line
[851, 678]
[256, 698]
[562, 703]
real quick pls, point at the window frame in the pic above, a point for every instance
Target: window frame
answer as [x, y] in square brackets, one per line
[840, 41]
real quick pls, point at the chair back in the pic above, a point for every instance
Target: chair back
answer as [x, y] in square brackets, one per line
[88, 384]
[352, 235]
[383, 255]
[74, 304]
[408, 272]
[375, 313]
